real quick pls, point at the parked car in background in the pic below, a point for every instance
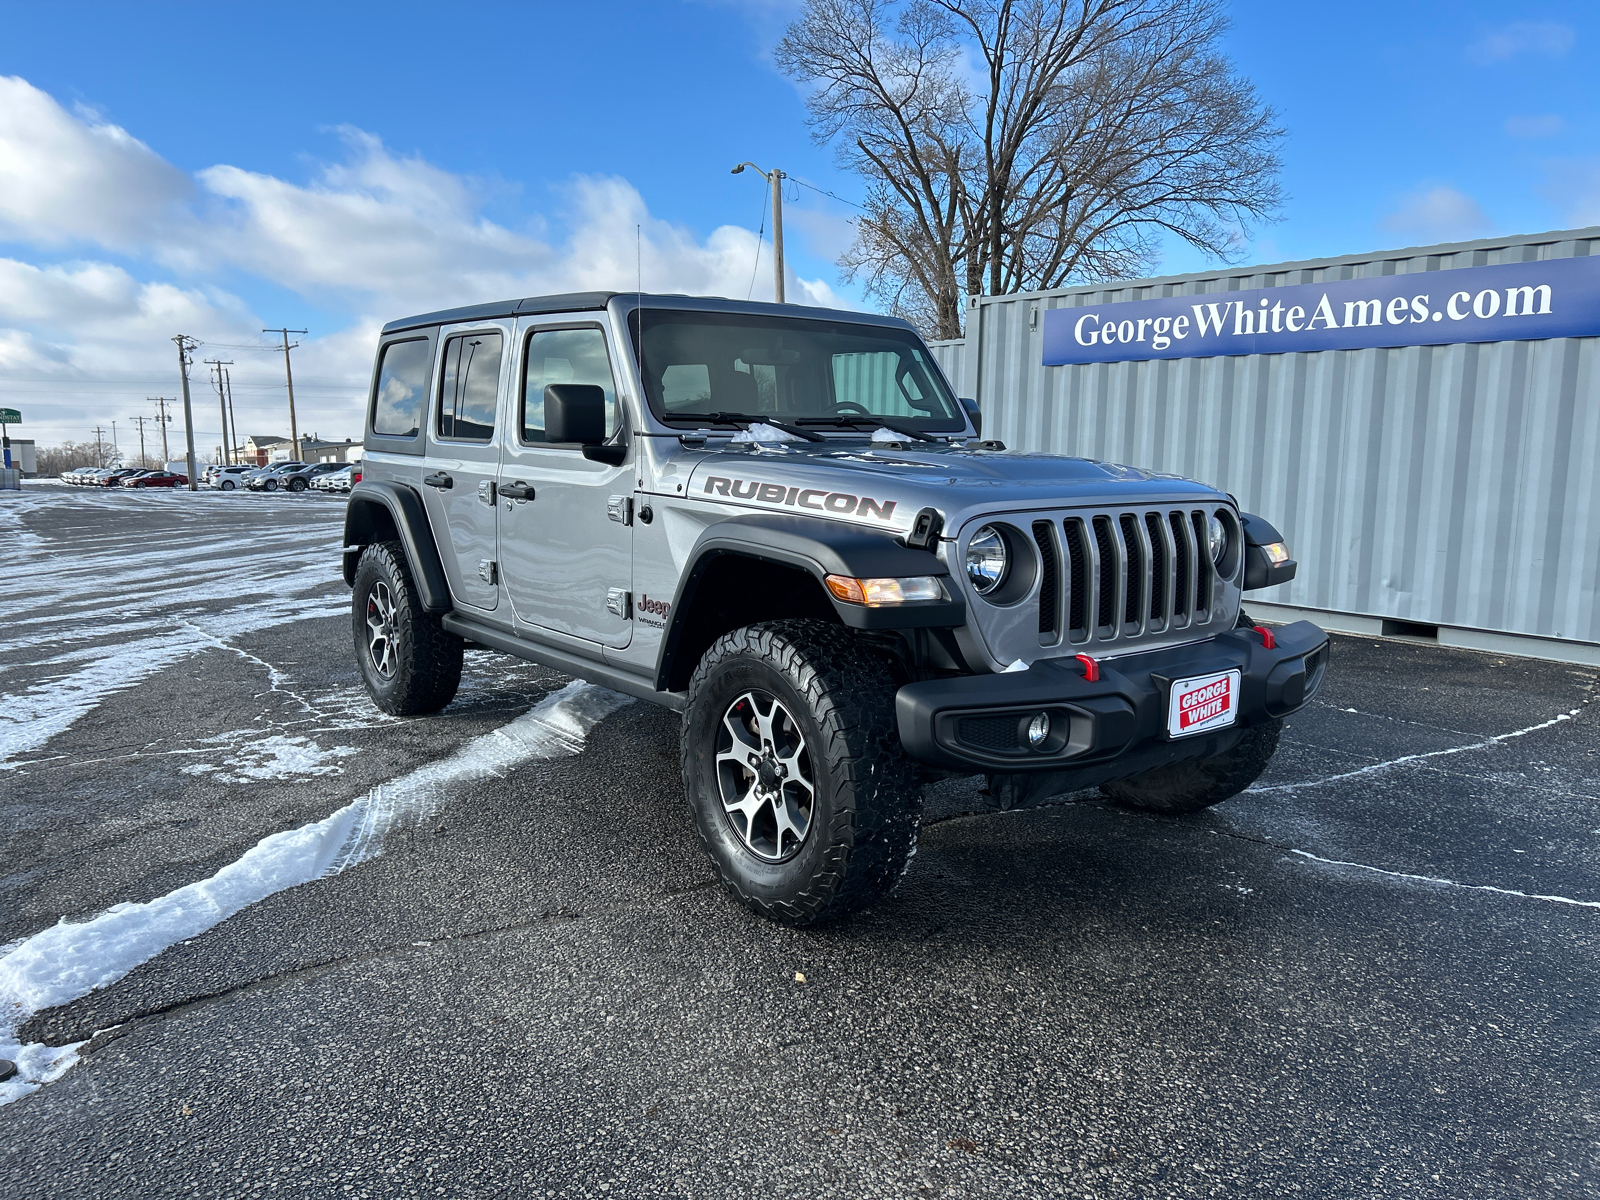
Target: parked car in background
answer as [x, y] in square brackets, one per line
[166, 479]
[269, 479]
[342, 480]
[227, 478]
[300, 479]
[114, 478]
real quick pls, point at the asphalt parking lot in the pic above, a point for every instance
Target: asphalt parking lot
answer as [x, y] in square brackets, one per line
[1375, 974]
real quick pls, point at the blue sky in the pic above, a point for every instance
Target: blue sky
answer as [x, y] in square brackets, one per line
[210, 169]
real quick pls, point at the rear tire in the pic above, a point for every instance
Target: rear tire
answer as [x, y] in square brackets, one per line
[802, 794]
[227, 485]
[408, 662]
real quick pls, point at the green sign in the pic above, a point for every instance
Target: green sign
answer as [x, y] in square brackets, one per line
[10, 416]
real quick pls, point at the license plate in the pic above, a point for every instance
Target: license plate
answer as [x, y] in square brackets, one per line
[1203, 702]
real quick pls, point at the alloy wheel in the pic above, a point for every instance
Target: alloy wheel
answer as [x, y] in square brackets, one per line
[765, 777]
[380, 629]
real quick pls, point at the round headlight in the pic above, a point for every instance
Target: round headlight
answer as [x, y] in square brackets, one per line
[1217, 537]
[987, 560]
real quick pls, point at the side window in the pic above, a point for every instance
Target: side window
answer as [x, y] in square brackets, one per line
[402, 389]
[564, 356]
[469, 385]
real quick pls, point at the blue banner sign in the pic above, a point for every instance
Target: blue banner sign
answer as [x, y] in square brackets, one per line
[1513, 302]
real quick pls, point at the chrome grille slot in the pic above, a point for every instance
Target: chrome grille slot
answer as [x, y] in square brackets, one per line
[1077, 580]
[1206, 570]
[1158, 570]
[1049, 583]
[1106, 605]
[1133, 574]
[1181, 589]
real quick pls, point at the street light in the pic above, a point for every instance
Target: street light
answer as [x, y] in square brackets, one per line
[775, 179]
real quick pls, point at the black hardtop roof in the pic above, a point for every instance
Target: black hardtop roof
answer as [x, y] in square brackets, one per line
[595, 301]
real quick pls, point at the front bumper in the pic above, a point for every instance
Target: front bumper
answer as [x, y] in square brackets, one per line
[977, 722]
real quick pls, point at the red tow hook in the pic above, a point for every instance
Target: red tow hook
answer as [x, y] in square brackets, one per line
[1267, 640]
[1091, 669]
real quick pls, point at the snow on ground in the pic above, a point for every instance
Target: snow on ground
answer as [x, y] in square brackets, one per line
[271, 757]
[117, 611]
[71, 959]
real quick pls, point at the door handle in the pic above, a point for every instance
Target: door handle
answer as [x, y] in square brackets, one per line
[440, 480]
[516, 491]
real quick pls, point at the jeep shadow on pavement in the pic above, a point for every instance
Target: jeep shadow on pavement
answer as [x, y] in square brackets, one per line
[781, 522]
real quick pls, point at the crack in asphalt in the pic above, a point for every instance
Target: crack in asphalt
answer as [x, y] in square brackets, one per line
[145, 1017]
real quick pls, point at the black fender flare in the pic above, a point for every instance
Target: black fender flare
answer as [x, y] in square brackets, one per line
[375, 509]
[820, 548]
[1258, 571]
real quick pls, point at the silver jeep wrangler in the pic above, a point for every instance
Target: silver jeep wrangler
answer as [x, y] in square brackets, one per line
[782, 523]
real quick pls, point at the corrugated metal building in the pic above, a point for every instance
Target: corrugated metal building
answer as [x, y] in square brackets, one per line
[1450, 485]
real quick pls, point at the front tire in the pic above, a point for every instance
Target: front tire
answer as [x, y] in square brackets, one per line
[409, 663]
[802, 794]
[297, 485]
[1198, 783]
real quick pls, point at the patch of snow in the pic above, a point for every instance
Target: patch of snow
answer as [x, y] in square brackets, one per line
[274, 757]
[71, 959]
[1017, 665]
[888, 435]
[760, 431]
[1441, 882]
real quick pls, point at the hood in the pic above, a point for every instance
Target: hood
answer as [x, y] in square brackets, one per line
[875, 485]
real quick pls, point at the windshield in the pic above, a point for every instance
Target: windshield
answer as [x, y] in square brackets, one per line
[698, 366]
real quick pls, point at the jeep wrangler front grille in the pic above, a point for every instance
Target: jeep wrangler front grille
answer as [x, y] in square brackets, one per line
[1113, 581]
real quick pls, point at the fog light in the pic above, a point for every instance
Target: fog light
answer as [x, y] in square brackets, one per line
[1039, 730]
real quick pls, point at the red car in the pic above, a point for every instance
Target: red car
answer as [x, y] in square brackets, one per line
[157, 479]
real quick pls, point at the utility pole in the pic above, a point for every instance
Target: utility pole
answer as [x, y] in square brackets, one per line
[186, 346]
[288, 374]
[775, 180]
[233, 449]
[99, 452]
[140, 420]
[163, 420]
[222, 399]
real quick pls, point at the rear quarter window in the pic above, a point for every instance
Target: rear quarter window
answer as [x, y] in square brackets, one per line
[401, 392]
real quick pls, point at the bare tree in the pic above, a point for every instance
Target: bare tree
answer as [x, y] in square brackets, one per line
[1012, 145]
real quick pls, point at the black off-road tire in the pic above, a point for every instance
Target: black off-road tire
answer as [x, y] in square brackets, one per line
[867, 809]
[425, 660]
[1198, 783]
[1189, 787]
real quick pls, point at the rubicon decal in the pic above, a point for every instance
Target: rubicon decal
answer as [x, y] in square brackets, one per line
[841, 504]
[1202, 703]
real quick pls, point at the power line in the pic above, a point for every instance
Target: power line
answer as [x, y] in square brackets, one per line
[830, 195]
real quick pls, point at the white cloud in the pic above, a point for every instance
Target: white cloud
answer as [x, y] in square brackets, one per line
[377, 235]
[1438, 214]
[1547, 125]
[68, 179]
[1549, 38]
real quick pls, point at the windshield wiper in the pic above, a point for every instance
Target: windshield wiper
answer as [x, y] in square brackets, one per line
[745, 420]
[870, 422]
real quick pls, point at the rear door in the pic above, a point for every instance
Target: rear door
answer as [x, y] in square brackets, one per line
[458, 477]
[568, 548]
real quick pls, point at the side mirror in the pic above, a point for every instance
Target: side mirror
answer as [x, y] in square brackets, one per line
[575, 412]
[973, 415]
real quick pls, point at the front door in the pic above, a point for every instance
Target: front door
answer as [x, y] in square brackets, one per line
[567, 545]
[458, 475]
